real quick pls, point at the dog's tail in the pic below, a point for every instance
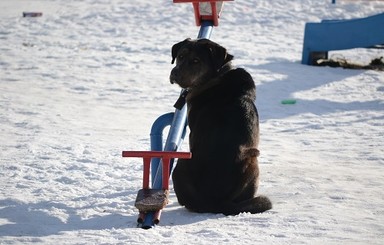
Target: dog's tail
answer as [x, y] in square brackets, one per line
[255, 205]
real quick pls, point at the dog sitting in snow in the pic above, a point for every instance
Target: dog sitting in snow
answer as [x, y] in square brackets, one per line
[223, 174]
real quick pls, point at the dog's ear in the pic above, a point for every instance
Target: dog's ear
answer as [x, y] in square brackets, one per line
[177, 47]
[219, 54]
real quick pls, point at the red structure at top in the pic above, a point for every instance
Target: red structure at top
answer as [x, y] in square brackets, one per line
[205, 9]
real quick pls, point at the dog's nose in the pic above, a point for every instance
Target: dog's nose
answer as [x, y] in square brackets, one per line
[173, 76]
[172, 79]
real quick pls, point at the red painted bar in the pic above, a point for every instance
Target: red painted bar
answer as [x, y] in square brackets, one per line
[194, 1]
[166, 163]
[166, 156]
[158, 154]
[156, 217]
[141, 217]
[147, 164]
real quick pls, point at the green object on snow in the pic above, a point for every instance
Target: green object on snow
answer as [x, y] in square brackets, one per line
[288, 102]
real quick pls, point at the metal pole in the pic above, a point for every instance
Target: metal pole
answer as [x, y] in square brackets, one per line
[157, 137]
[175, 136]
[205, 29]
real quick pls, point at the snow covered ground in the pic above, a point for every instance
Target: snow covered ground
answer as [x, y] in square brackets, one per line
[88, 78]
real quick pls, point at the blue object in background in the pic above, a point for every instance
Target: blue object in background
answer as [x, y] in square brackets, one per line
[319, 38]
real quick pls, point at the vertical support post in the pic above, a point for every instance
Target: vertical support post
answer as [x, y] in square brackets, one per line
[197, 13]
[175, 135]
[214, 14]
[166, 172]
[147, 163]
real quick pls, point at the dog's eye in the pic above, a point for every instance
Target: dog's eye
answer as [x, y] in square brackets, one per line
[180, 56]
[195, 61]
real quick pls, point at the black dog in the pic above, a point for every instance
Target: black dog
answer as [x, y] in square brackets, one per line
[223, 174]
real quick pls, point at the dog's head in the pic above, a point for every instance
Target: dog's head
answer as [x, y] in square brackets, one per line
[197, 61]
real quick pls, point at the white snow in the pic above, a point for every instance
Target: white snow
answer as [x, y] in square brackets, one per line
[87, 79]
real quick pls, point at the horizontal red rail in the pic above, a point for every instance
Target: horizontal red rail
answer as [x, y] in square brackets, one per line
[157, 154]
[166, 156]
[195, 1]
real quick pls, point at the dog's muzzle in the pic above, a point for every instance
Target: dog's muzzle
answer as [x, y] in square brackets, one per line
[173, 75]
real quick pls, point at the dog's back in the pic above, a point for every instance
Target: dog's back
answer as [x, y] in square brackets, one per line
[222, 176]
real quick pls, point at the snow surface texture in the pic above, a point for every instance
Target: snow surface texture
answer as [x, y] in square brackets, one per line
[88, 78]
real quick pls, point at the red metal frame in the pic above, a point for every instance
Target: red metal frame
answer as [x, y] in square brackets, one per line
[166, 156]
[196, 6]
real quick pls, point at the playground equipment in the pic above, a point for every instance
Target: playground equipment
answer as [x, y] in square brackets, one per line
[149, 199]
[319, 38]
[159, 161]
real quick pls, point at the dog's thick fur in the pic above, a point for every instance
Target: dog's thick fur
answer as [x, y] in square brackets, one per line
[223, 174]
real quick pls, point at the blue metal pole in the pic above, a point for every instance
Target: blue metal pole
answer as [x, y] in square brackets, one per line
[205, 29]
[178, 126]
[157, 137]
[176, 133]
[174, 139]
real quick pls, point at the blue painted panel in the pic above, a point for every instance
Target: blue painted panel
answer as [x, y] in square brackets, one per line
[342, 34]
